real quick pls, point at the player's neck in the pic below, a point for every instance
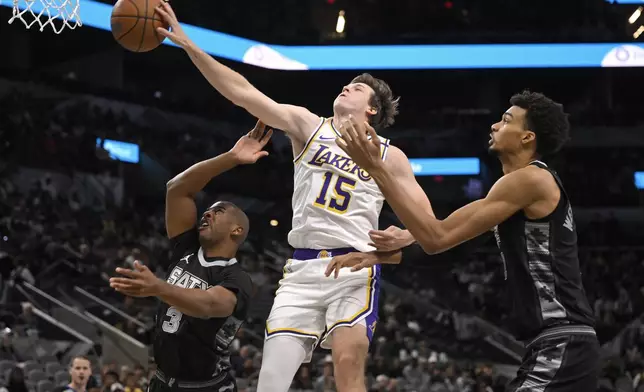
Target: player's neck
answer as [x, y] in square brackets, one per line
[77, 387]
[513, 162]
[224, 251]
[339, 118]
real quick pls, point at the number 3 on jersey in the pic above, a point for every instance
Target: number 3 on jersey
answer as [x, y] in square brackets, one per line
[172, 325]
[339, 202]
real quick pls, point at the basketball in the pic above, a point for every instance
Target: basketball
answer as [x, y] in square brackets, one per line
[134, 24]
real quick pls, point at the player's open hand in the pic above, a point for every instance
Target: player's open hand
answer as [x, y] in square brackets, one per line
[139, 282]
[175, 33]
[249, 148]
[393, 238]
[365, 152]
[354, 260]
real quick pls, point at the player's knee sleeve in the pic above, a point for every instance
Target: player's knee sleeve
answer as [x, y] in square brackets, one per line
[281, 359]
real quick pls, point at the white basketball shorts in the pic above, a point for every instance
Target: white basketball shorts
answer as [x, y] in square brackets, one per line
[311, 305]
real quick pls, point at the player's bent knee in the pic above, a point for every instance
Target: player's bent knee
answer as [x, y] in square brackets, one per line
[350, 347]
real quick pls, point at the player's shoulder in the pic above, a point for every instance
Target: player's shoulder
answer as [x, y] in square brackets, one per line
[533, 175]
[532, 181]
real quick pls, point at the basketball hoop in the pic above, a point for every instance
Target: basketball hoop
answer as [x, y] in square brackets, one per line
[57, 14]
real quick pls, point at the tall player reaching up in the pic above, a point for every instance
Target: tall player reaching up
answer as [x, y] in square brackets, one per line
[532, 218]
[335, 204]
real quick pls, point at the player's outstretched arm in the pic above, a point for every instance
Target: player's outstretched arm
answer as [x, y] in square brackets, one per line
[433, 235]
[217, 301]
[296, 121]
[180, 207]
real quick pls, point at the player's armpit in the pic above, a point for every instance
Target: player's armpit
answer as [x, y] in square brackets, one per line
[509, 195]
[297, 122]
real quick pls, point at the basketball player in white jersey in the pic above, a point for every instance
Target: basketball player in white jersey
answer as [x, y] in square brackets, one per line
[335, 205]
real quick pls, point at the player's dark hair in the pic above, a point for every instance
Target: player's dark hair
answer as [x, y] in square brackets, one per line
[382, 100]
[546, 118]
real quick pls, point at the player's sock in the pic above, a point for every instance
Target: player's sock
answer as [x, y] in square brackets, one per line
[281, 359]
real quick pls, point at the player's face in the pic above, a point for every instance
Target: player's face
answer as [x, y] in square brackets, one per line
[354, 99]
[510, 134]
[215, 223]
[80, 371]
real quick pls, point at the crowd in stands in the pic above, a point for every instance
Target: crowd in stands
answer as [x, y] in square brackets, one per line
[56, 238]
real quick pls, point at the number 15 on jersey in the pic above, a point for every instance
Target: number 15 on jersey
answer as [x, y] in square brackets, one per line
[340, 199]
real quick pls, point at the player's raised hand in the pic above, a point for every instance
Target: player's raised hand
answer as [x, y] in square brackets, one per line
[365, 152]
[249, 148]
[175, 33]
[354, 260]
[139, 282]
[393, 238]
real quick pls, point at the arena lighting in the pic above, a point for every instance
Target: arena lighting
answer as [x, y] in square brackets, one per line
[445, 166]
[639, 180]
[638, 32]
[635, 16]
[625, 1]
[120, 151]
[274, 222]
[339, 26]
[371, 57]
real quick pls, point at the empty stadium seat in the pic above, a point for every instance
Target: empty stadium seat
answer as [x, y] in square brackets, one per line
[52, 368]
[44, 386]
[36, 375]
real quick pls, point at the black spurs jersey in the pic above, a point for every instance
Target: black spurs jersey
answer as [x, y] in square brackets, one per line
[542, 269]
[194, 349]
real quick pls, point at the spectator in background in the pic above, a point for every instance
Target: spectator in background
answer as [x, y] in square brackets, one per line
[80, 371]
[326, 382]
[7, 352]
[16, 381]
[302, 379]
[111, 382]
[131, 383]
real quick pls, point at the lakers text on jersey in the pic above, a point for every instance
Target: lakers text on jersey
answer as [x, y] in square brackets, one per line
[335, 202]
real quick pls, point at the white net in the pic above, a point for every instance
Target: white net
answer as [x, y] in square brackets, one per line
[57, 14]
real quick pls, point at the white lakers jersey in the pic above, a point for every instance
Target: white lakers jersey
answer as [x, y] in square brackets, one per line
[335, 203]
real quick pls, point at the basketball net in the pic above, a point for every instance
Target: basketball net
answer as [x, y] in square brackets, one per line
[56, 14]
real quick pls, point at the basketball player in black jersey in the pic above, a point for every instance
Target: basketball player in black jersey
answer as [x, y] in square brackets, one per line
[531, 216]
[206, 294]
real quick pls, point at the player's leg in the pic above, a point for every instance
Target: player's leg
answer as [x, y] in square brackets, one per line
[351, 321]
[282, 357]
[293, 328]
[349, 349]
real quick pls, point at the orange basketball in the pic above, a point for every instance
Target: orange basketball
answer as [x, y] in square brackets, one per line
[134, 24]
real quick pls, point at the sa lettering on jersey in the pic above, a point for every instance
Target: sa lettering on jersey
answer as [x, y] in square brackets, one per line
[185, 279]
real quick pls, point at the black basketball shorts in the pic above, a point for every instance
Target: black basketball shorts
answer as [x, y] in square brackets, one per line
[560, 364]
[226, 384]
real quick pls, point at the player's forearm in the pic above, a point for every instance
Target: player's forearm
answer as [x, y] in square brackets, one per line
[227, 82]
[192, 302]
[423, 227]
[392, 257]
[192, 180]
